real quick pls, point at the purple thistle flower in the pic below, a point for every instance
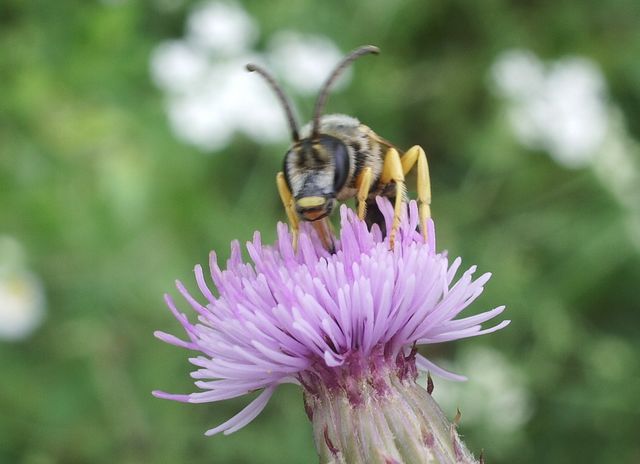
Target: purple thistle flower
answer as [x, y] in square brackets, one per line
[345, 327]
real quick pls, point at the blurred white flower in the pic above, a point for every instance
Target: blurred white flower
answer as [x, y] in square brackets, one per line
[196, 118]
[254, 107]
[209, 94]
[221, 26]
[226, 100]
[21, 294]
[561, 109]
[305, 61]
[495, 395]
[518, 74]
[176, 66]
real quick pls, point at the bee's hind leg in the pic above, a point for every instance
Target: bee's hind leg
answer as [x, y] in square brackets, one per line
[287, 201]
[408, 160]
[392, 171]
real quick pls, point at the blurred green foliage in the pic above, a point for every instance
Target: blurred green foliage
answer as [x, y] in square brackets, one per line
[110, 208]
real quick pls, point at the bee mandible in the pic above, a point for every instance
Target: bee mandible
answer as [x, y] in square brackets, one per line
[335, 158]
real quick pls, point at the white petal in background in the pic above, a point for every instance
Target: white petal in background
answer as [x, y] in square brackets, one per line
[226, 100]
[257, 111]
[221, 27]
[518, 74]
[209, 94]
[304, 61]
[562, 107]
[176, 66]
[22, 302]
[199, 119]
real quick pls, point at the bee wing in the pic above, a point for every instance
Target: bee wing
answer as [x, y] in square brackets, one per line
[385, 142]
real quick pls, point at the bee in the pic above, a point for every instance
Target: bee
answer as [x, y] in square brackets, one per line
[336, 158]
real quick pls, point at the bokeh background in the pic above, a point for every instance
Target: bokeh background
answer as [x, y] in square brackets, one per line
[132, 142]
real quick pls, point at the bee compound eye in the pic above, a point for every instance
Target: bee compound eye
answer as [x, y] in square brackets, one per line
[285, 168]
[342, 165]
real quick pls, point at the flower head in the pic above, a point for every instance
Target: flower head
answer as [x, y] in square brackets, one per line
[314, 318]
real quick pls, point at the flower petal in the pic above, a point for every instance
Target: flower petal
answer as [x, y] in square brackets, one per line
[245, 416]
[425, 365]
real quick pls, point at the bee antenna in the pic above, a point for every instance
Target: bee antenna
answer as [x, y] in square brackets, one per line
[281, 96]
[339, 69]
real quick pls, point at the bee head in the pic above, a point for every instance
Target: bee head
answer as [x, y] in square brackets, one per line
[315, 169]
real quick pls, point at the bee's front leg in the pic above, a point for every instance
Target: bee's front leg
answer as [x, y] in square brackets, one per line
[363, 183]
[287, 201]
[392, 172]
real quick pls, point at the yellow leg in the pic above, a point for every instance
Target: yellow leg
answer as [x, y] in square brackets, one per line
[363, 182]
[287, 201]
[424, 191]
[392, 172]
[409, 159]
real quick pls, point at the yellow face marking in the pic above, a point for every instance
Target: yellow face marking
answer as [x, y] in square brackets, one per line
[310, 202]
